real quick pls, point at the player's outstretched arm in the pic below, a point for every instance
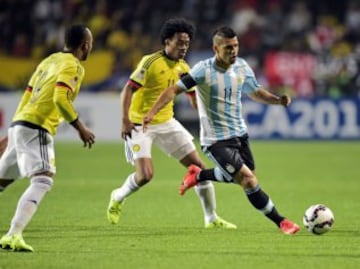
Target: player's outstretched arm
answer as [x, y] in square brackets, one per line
[166, 97]
[263, 96]
[125, 100]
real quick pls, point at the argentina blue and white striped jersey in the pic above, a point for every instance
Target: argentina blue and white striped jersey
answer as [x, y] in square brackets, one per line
[218, 94]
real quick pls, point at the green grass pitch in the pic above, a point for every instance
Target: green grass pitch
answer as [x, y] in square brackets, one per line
[161, 229]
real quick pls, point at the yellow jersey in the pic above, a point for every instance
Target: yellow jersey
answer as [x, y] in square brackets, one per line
[153, 75]
[52, 88]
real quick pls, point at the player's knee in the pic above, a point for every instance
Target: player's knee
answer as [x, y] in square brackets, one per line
[43, 182]
[249, 181]
[246, 178]
[144, 177]
[147, 177]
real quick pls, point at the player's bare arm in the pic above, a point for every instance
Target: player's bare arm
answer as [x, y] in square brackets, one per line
[166, 97]
[85, 134]
[127, 125]
[263, 96]
[68, 112]
[192, 99]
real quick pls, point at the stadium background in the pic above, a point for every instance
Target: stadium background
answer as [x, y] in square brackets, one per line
[308, 49]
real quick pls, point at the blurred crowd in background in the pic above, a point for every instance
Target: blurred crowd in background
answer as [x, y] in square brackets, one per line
[306, 48]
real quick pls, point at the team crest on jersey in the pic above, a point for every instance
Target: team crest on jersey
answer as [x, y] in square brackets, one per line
[240, 79]
[141, 74]
[136, 147]
[241, 75]
[230, 168]
[73, 81]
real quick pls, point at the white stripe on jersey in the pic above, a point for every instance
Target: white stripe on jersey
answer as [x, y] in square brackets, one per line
[219, 99]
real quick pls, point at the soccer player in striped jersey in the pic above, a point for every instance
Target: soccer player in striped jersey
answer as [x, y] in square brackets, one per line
[153, 75]
[47, 101]
[221, 81]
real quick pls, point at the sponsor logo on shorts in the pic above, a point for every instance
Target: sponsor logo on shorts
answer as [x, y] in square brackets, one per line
[230, 168]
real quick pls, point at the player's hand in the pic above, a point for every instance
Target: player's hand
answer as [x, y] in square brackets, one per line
[146, 120]
[127, 128]
[285, 100]
[87, 136]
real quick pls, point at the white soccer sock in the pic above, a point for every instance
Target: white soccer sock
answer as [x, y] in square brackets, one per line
[126, 189]
[29, 202]
[206, 192]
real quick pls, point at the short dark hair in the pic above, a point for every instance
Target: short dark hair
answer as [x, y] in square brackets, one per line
[176, 25]
[75, 36]
[224, 31]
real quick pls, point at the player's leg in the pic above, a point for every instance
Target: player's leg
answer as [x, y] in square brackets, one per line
[233, 159]
[141, 176]
[138, 152]
[8, 163]
[27, 205]
[176, 141]
[205, 189]
[195, 174]
[35, 159]
[261, 200]
[257, 197]
[206, 192]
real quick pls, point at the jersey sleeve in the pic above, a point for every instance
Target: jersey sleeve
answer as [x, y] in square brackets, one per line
[139, 75]
[63, 91]
[68, 76]
[250, 84]
[194, 77]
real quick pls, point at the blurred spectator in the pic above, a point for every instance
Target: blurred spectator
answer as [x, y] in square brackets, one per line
[245, 15]
[273, 30]
[324, 37]
[352, 19]
[298, 21]
[21, 46]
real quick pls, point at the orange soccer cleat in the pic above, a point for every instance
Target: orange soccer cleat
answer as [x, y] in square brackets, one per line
[189, 180]
[288, 227]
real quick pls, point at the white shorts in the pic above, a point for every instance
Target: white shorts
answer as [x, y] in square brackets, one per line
[29, 151]
[171, 137]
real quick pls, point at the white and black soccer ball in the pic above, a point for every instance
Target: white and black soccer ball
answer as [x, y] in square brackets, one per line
[318, 219]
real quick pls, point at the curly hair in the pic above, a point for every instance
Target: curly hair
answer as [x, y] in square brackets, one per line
[176, 25]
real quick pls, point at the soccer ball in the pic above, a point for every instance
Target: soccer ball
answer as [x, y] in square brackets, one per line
[318, 219]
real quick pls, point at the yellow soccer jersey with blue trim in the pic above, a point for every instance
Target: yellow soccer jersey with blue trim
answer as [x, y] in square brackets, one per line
[57, 71]
[155, 73]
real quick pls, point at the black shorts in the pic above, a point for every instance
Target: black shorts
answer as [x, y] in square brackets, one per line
[230, 155]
